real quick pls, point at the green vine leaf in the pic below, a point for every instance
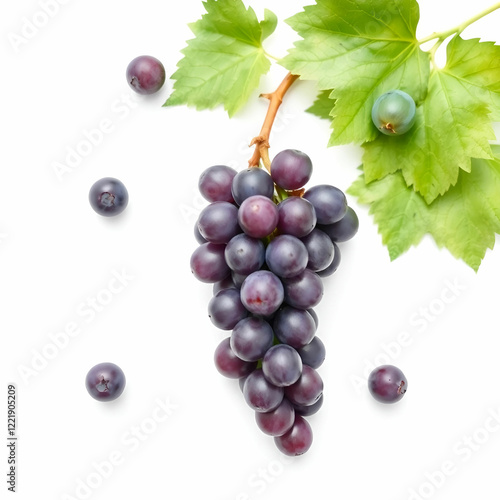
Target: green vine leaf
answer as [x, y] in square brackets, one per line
[401, 214]
[464, 220]
[361, 50]
[322, 106]
[223, 64]
[467, 217]
[477, 65]
[453, 124]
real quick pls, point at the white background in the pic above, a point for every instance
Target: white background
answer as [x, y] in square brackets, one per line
[56, 254]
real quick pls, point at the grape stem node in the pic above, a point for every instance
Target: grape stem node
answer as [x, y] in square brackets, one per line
[261, 142]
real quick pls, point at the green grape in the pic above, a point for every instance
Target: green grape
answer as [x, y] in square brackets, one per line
[394, 112]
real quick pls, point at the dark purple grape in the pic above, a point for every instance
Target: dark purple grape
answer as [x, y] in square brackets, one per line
[282, 365]
[245, 254]
[312, 312]
[344, 229]
[307, 390]
[320, 250]
[261, 395]
[251, 338]
[328, 201]
[225, 309]
[258, 216]
[218, 222]
[313, 354]
[278, 421]
[333, 266]
[105, 381]
[215, 183]
[286, 256]
[199, 238]
[387, 384]
[224, 284]
[208, 264]
[228, 364]
[262, 293]
[296, 216]
[297, 440]
[250, 182]
[294, 327]
[241, 382]
[291, 169]
[303, 291]
[238, 279]
[145, 75]
[307, 411]
[108, 196]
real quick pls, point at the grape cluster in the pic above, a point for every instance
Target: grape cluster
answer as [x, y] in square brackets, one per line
[266, 243]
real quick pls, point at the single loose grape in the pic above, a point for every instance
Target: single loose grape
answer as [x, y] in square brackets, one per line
[108, 197]
[394, 112]
[387, 384]
[145, 75]
[105, 381]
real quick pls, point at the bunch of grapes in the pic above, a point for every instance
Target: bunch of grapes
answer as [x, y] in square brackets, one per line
[266, 243]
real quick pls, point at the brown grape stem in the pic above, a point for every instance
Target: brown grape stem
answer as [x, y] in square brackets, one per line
[261, 142]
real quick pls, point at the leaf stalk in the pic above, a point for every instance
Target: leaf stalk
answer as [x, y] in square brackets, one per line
[443, 35]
